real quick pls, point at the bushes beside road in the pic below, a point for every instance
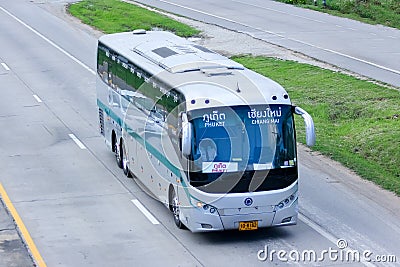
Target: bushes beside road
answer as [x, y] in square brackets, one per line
[385, 12]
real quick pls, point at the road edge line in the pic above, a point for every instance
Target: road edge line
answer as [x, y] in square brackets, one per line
[21, 226]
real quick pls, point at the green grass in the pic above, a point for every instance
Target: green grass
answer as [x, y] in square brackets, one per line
[112, 16]
[385, 12]
[357, 122]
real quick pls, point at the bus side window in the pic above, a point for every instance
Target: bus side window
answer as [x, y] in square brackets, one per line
[102, 63]
[121, 71]
[115, 100]
[104, 72]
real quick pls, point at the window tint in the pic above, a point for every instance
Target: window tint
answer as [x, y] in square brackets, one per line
[154, 98]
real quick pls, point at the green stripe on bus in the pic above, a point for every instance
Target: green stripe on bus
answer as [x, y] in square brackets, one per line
[148, 147]
[138, 138]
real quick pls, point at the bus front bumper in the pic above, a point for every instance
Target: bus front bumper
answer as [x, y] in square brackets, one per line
[201, 220]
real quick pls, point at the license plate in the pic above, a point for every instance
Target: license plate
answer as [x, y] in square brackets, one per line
[244, 226]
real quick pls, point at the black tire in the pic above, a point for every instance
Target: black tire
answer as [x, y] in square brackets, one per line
[118, 155]
[124, 161]
[175, 210]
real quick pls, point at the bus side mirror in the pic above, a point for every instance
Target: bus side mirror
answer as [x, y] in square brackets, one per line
[309, 123]
[187, 130]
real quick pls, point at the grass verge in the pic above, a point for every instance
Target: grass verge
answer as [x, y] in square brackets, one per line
[357, 122]
[384, 12]
[111, 16]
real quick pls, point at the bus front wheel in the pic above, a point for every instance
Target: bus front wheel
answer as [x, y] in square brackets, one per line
[175, 210]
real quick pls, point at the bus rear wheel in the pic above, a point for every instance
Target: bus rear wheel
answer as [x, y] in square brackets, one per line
[118, 154]
[175, 210]
[124, 159]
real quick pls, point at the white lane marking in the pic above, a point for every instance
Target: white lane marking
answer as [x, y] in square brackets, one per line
[223, 18]
[146, 213]
[279, 11]
[326, 234]
[292, 39]
[49, 41]
[77, 141]
[5, 66]
[37, 99]
[363, 61]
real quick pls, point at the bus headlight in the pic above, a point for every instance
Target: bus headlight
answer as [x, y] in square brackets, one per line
[286, 202]
[206, 207]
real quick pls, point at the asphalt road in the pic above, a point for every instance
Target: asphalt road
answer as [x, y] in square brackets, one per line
[80, 209]
[372, 51]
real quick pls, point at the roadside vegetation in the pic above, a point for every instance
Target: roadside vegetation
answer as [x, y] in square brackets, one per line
[384, 12]
[111, 16]
[357, 121]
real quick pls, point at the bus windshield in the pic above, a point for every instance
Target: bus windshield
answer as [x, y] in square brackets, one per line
[240, 139]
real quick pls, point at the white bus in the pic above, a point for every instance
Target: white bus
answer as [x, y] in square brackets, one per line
[211, 139]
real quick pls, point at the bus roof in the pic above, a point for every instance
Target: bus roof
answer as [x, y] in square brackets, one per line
[195, 71]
